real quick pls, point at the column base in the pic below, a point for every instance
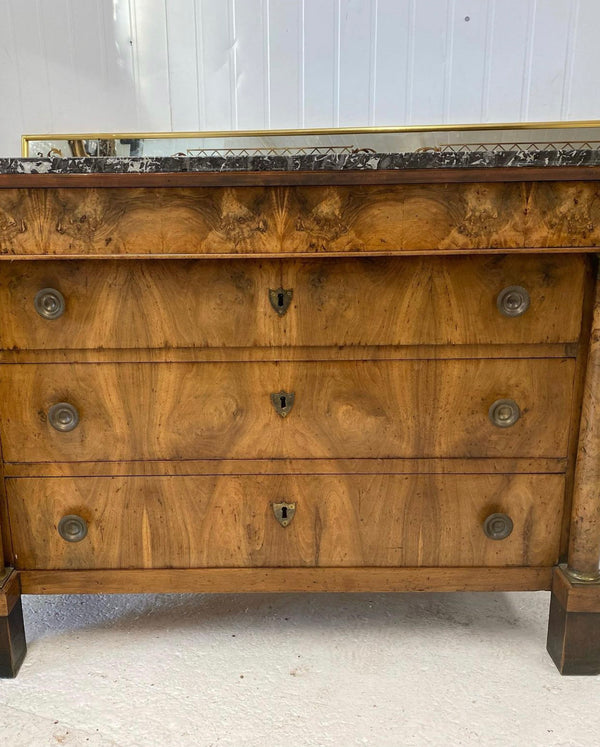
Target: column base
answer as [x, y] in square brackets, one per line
[574, 625]
[12, 631]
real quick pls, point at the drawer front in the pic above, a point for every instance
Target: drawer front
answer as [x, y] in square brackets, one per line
[208, 303]
[305, 219]
[340, 409]
[192, 522]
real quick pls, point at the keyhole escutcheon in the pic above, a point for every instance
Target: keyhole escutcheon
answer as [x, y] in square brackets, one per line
[280, 299]
[284, 512]
[283, 402]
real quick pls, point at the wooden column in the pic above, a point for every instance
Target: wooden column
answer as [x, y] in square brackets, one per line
[584, 544]
[574, 626]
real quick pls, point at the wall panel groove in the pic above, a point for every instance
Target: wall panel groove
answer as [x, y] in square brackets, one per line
[73, 65]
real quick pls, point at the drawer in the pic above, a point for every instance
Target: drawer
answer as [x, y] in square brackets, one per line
[339, 520]
[226, 303]
[351, 409]
[232, 220]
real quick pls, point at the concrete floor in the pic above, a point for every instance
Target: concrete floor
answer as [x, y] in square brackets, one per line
[383, 669]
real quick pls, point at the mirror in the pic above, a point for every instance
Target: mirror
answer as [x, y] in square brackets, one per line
[524, 137]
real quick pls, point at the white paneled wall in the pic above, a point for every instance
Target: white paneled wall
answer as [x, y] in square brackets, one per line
[132, 65]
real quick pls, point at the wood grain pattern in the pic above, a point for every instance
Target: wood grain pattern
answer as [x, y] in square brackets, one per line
[375, 520]
[566, 211]
[445, 301]
[584, 543]
[345, 409]
[232, 580]
[578, 388]
[170, 350]
[348, 302]
[149, 304]
[286, 220]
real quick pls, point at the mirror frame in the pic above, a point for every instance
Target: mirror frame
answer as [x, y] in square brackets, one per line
[76, 140]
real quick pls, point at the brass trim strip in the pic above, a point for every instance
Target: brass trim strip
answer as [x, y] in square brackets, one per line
[473, 127]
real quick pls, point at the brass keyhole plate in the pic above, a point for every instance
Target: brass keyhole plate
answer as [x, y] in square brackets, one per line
[284, 512]
[280, 299]
[283, 402]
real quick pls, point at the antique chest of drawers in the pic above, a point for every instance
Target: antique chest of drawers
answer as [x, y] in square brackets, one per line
[328, 381]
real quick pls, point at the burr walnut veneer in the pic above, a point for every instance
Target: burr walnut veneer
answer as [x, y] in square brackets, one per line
[307, 382]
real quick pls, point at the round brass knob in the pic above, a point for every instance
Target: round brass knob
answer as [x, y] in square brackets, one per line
[504, 413]
[49, 303]
[63, 417]
[72, 528]
[498, 526]
[513, 301]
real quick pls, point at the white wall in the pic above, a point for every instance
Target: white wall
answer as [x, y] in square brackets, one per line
[131, 65]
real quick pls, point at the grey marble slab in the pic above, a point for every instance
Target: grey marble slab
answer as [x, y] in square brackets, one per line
[336, 162]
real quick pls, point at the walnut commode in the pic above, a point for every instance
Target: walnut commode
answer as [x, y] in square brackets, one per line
[296, 381]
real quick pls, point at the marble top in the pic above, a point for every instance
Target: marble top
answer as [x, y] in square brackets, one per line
[360, 161]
